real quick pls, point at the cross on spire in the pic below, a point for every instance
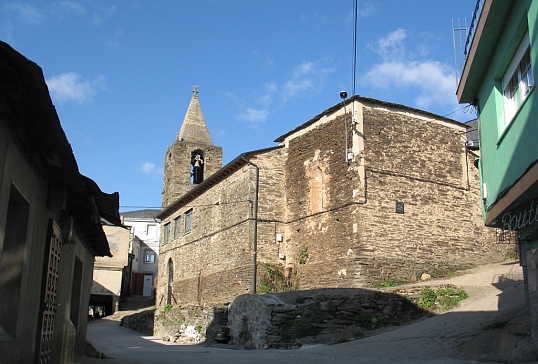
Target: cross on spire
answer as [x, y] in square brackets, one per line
[195, 90]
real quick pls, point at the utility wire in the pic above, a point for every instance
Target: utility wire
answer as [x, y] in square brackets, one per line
[354, 70]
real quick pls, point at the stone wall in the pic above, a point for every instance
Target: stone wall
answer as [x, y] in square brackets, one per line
[338, 220]
[177, 168]
[214, 262]
[358, 239]
[289, 320]
[142, 322]
[208, 321]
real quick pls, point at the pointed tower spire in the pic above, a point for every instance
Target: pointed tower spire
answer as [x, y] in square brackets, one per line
[192, 157]
[194, 128]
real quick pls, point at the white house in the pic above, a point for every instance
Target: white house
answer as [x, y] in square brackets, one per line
[147, 229]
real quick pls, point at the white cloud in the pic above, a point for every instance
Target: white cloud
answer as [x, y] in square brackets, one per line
[8, 32]
[308, 77]
[72, 87]
[392, 46]
[27, 13]
[434, 80]
[150, 169]
[431, 81]
[366, 10]
[100, 18]
[253, 116]
[270, 89]
[72, 7]
[114, 40]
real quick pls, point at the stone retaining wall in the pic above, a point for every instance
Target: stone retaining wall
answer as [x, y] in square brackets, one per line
[142, 322]
[289, 320]
[208, 321]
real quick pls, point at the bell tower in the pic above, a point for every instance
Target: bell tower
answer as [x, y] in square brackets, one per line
[192, 157]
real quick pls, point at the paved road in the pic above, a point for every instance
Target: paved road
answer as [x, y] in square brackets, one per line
[495, 296]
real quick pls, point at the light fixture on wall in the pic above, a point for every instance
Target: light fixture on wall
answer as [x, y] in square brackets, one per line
[348, 154]
[279, 237]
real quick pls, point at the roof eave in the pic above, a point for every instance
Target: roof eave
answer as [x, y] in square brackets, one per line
[211, 181]
[490, 25]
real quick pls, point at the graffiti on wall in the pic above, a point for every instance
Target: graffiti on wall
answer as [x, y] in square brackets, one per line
[516, 220]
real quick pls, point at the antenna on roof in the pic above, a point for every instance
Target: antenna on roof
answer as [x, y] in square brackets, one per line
[459, 36]
[354, 71]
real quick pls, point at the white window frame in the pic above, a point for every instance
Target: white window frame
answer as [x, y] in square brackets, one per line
[151, 229]
[521, 77]
[149, 254]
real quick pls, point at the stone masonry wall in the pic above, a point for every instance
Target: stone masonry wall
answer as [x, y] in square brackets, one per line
[338, 230]
[289, 320]
[214, 262]
[328, 236]
[177, 168]
[352, 242]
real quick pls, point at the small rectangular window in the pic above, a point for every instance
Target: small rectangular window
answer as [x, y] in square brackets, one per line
[177, 226]
[149, 257]
[188, 221]
[518, 82]
[166, 233]
[152, 230]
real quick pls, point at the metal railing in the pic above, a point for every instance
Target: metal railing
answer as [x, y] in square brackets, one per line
[472, 26]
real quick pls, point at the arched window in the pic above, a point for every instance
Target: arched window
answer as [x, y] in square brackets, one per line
[170, 281]
[197, 163]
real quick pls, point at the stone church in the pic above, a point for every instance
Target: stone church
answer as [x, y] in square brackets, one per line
[365, 192]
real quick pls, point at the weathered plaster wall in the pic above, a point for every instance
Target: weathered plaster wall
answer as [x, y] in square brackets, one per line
[28, 261]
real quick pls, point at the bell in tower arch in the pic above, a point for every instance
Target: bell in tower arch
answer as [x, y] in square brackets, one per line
[197, 163]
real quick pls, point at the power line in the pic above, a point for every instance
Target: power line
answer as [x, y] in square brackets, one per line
[140, 207]
[354, 65]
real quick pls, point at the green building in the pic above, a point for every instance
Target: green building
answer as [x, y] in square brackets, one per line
[498, 80]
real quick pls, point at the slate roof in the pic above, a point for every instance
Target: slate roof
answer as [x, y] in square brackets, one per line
[141, 214]
[366, 100]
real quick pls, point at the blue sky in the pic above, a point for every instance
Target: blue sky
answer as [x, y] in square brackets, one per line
[121, 73]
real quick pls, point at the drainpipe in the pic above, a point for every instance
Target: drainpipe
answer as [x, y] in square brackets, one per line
[255, 242]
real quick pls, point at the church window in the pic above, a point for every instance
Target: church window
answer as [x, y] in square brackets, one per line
[177, 226]
[188, 221]
[166, 233]
[197, 163]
